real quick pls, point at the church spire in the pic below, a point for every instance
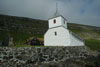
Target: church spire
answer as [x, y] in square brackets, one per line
[56, 13]
[56, 8]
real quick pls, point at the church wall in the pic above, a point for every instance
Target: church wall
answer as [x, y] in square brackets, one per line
[64, 22]
[75, 41]
[58, 22]
[61, 38]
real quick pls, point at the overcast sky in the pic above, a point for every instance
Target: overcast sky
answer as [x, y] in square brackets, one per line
[75, 11]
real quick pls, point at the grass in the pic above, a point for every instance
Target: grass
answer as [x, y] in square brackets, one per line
[3, 34]
[22, 45]
[19, 38]
[93, 44]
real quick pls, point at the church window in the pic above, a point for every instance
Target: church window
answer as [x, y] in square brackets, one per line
[54, 21]
[64, 22]
[55, 33]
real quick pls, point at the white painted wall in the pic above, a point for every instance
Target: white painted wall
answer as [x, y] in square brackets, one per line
[64, 22]
[61, 39]
[75, 41]
[64, 37]
[59, 21]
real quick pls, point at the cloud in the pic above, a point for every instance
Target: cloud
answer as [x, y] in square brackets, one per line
[75, 11]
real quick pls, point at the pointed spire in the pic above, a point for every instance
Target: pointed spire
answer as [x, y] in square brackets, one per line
[56, 8]
[56, 13]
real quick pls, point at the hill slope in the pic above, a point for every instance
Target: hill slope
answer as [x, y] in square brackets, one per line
[21, 28]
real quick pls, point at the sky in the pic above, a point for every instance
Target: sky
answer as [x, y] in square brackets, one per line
[75, 11]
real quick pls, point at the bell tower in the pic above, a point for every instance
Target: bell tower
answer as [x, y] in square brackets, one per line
[57, 20]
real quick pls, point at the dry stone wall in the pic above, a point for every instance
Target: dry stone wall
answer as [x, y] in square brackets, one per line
[30, 56]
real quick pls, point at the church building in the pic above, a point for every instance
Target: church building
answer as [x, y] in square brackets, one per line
[59, 35]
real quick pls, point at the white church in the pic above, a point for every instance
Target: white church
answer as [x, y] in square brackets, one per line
[59, 35]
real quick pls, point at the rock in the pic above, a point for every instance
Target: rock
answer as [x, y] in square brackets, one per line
[11, 43]
[41, 56]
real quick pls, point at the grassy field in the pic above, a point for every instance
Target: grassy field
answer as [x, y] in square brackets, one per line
[20, 28]
[20, 39]
[93, 44]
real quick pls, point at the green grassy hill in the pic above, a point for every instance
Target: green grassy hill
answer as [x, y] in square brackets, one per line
[90, 34]
[21, 28]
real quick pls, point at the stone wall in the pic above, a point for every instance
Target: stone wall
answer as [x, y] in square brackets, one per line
[31, 56]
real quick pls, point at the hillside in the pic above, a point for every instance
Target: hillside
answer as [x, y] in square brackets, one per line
[21, 28]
